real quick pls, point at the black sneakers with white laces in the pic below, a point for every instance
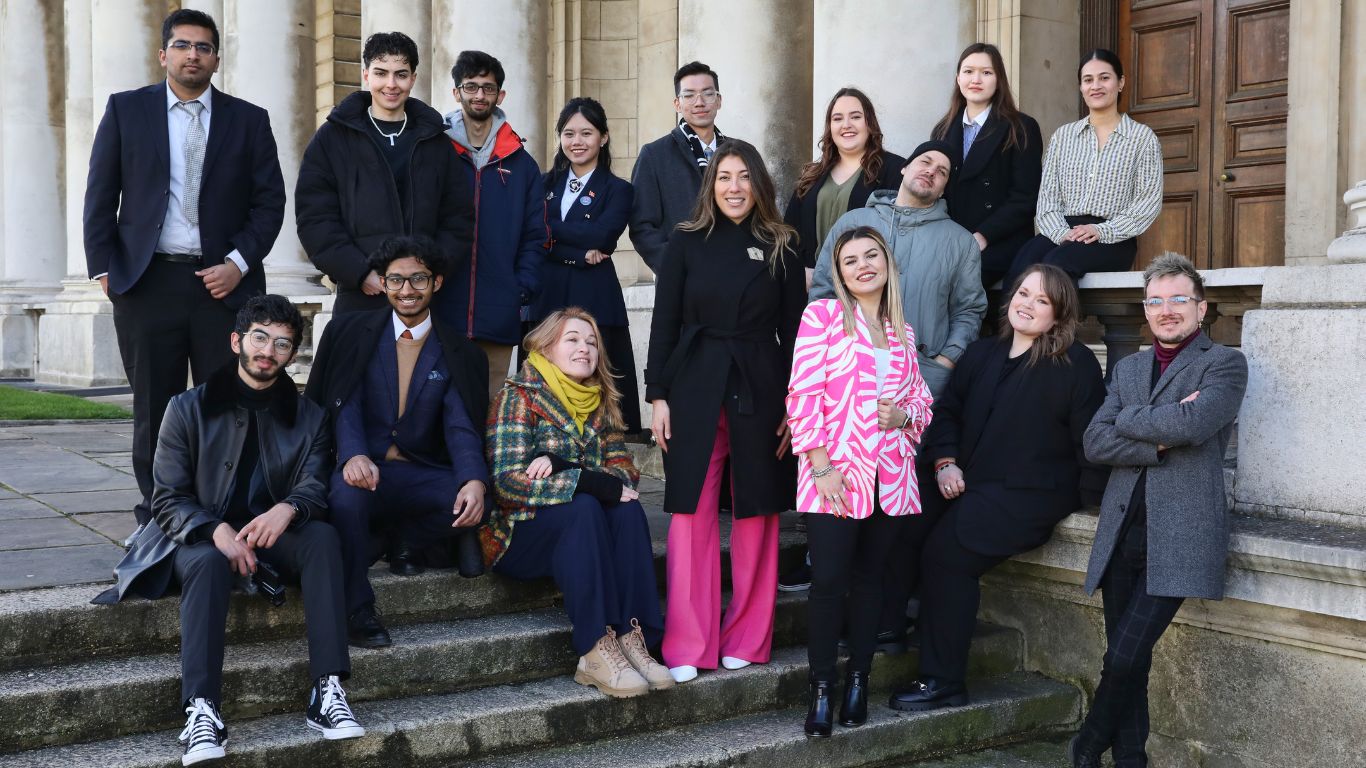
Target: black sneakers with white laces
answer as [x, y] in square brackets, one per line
[328, 712]
[204, 734]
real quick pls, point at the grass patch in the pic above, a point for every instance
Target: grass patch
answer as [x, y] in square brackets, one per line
[23, 405]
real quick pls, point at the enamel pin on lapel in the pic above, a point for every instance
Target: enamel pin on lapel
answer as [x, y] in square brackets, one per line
[755, 253]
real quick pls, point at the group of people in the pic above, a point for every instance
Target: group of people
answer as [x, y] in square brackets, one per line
[825, 359]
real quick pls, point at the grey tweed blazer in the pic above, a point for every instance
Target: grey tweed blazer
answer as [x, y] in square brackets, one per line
[1187, 508]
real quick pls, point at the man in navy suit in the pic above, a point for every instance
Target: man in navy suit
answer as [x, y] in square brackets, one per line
[183, 202]
[409, 398]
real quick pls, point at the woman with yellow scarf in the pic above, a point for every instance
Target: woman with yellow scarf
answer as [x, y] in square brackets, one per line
[566, 506]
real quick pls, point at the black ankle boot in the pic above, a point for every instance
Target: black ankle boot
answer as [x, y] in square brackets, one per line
[854, 708]
[469, 558]
[819, 714]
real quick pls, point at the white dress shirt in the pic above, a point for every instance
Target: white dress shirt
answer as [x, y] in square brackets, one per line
[567, 199]
[418, 331]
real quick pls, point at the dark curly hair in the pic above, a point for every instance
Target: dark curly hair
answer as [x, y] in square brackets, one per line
[270, 308]
[403, 246]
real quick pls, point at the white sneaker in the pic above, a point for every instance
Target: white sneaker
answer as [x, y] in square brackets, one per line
[682, 674]
[204, 735]
[329, 713]
[731, 662]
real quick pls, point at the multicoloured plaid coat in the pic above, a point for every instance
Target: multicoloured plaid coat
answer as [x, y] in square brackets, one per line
[526, 419]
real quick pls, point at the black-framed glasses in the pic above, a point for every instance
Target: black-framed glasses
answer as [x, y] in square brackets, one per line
[184, 46]
[469, 89]
[1155, 303]
[419, 282]
[260, 340]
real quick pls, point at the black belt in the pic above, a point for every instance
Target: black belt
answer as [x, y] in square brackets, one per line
[180, 258]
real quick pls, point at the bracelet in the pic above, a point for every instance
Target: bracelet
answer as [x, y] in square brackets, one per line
[823, 471]
[906, 420]
[943, 467]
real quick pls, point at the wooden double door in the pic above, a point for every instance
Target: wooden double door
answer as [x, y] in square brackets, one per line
[1210, 77]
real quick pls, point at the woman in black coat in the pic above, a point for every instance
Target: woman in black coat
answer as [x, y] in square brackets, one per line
[997, 162]
[1006, 442]
[727, 305]
[587, 209]
[852, 166]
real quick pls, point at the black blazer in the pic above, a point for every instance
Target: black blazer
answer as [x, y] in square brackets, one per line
[1032, 423]
[801, 210]
[241, 205]
[595, 222]
[995, 190]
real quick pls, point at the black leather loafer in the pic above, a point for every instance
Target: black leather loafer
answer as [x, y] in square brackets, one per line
[929, 694]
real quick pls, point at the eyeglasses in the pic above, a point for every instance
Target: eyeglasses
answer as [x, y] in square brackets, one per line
[419, 282]
[707, 96]
[469, 89]
[1175, 302]
[203, 49]
[261, 340]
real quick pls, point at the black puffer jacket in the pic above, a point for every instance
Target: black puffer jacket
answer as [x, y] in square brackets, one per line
[346, 202]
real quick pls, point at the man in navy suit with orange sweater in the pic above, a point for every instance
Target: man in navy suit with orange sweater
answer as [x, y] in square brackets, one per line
[182, 205]
[409, 399]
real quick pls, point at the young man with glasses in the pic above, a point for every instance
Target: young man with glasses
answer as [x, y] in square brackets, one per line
[1164, 428]
[485, 299]
[409, 399]
[378, 167]
[183, 202]
[668, 172]
[241, 482]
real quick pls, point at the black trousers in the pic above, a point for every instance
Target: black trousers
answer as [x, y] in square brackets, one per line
[848, 559]
[1076, 259]
[311, 553]
[950, 594]
[1134, 621]
[166, 323]
[901, 573]
[413, 502]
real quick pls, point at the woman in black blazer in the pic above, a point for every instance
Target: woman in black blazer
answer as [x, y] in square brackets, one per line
[587, 209]
[994, 185]
[1006, 442]
[729, 299]
[852, 166]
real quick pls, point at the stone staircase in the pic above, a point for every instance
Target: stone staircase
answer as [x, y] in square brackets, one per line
[479, 674]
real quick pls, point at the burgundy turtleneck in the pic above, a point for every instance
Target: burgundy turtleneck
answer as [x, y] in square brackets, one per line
[1165, 355]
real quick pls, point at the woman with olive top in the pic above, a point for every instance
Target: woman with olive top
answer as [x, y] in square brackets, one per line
[587, 209]
[1102, 182]
[729, 297]
[852, 166]
[1006, 442]
[997, 160]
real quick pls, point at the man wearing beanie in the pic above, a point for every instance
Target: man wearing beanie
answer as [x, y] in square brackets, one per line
[940, 272]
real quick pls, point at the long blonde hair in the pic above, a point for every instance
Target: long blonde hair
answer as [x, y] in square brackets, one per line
[765, 222]
[545, 336]
[889, 308]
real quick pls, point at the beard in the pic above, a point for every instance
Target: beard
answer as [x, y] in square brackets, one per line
[244, 360]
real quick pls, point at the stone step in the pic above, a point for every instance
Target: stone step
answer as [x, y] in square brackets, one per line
[503, 723]
[54, 626]
[1043, 753]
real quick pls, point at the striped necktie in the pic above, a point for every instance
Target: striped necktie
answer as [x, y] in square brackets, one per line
[194, 161]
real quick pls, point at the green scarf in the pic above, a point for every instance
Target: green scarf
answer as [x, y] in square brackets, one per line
[578, 399]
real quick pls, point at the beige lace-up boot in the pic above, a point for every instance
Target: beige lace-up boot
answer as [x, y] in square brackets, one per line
[633, 646]
[606, 668]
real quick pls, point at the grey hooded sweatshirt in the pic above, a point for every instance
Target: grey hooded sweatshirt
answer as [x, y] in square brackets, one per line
[940, 271]
[455, 129]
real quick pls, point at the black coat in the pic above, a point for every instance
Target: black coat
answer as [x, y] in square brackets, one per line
[995, 190]
[347, 203]
[666, 181]
[568, 280]
[344, 353]
[201, 435]
[1018, 441]
[722, 336]
[801, 210]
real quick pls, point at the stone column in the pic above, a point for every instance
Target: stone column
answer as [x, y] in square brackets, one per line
[268, 60]
[1350, 248]
[414, 19]
[514, 32]
[761, 51]
[916, 47]
[32, 233]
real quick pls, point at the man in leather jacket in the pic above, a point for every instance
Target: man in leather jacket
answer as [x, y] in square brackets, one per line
[240, 472]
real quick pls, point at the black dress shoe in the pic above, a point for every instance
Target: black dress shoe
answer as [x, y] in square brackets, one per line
[1080, 757]
[364, 629]
[819, 713]
[469, 556]
[403, 561]
[929, 694]
[854, 707]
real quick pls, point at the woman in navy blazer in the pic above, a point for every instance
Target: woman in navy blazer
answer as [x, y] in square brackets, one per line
[588, 209]
[995, 181]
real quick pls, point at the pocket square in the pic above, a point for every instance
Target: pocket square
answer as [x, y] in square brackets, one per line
[434, 376]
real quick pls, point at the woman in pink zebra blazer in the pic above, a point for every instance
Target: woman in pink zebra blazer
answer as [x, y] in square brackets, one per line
[857, 406]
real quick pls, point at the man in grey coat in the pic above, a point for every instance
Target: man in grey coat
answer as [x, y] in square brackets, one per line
[1164, 428]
